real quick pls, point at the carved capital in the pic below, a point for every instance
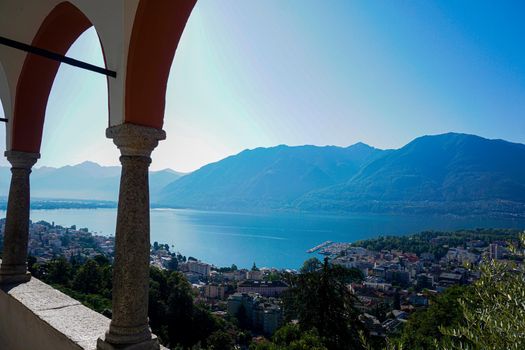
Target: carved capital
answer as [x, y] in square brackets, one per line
[22, 160]
[135, 140]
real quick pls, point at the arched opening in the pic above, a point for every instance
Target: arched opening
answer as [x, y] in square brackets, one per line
[64, 24]
[76, 114]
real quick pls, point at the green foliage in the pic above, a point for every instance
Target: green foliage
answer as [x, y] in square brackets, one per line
[291, 337]
[59, 271]
[220, 340]
[96, 302]
[273, 276]
[228, 269]
[311, 265]
[88, 278]
[322, 301]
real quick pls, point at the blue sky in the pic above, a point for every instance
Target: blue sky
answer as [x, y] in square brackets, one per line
[262, 73]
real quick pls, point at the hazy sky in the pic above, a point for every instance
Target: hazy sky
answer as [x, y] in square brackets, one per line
[266, 72]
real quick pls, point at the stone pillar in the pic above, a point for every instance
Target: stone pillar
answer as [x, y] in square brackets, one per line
[16, 233]
[129, 327]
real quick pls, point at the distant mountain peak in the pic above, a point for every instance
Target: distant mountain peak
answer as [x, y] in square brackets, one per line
[88, 164]
[361, 145]
[170, 171]
[449, 135]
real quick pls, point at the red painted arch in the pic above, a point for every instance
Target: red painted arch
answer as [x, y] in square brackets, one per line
[62, 26]
[157, 29]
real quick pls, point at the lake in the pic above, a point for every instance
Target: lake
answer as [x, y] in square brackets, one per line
[271, 240]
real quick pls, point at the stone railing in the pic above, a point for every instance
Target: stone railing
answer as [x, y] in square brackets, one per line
[36, 316]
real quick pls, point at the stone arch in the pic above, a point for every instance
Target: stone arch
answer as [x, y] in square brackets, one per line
[157, 29]
[59, 30]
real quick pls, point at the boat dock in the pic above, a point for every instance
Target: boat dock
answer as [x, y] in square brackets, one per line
[317, 247]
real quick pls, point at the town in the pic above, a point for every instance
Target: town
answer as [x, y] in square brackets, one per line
[394, 282]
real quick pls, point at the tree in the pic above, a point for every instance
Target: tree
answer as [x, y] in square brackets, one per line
[188, 323]
[157, 308]
[291, 337]
[59, 271]
[220, 340]
[311, 265]
[180, 311]
[88, 278]
[321, 300]
[101, 260]
[31, 260]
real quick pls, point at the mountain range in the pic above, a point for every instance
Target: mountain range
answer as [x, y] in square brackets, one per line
[85, 181]
[448, 173]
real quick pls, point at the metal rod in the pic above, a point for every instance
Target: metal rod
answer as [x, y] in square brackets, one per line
[55, 56]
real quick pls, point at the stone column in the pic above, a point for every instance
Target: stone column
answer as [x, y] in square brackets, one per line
[129, 327]
[16, 233]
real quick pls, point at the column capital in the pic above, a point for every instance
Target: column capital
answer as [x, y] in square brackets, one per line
[135, 140]
[22, 160]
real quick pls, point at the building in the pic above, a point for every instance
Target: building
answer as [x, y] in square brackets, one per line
[262, 314]
[264, 288]
[461, 256]
[449, 279]
[196, 267]
[239, 275]
[418, 299]
[494, 251]
[256, 275]
[269, 317]
[397, 277]
[214, 291]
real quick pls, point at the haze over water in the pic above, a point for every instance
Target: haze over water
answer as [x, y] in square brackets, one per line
[272, 239]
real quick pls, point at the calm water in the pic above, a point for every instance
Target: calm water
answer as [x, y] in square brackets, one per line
[278, 240]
